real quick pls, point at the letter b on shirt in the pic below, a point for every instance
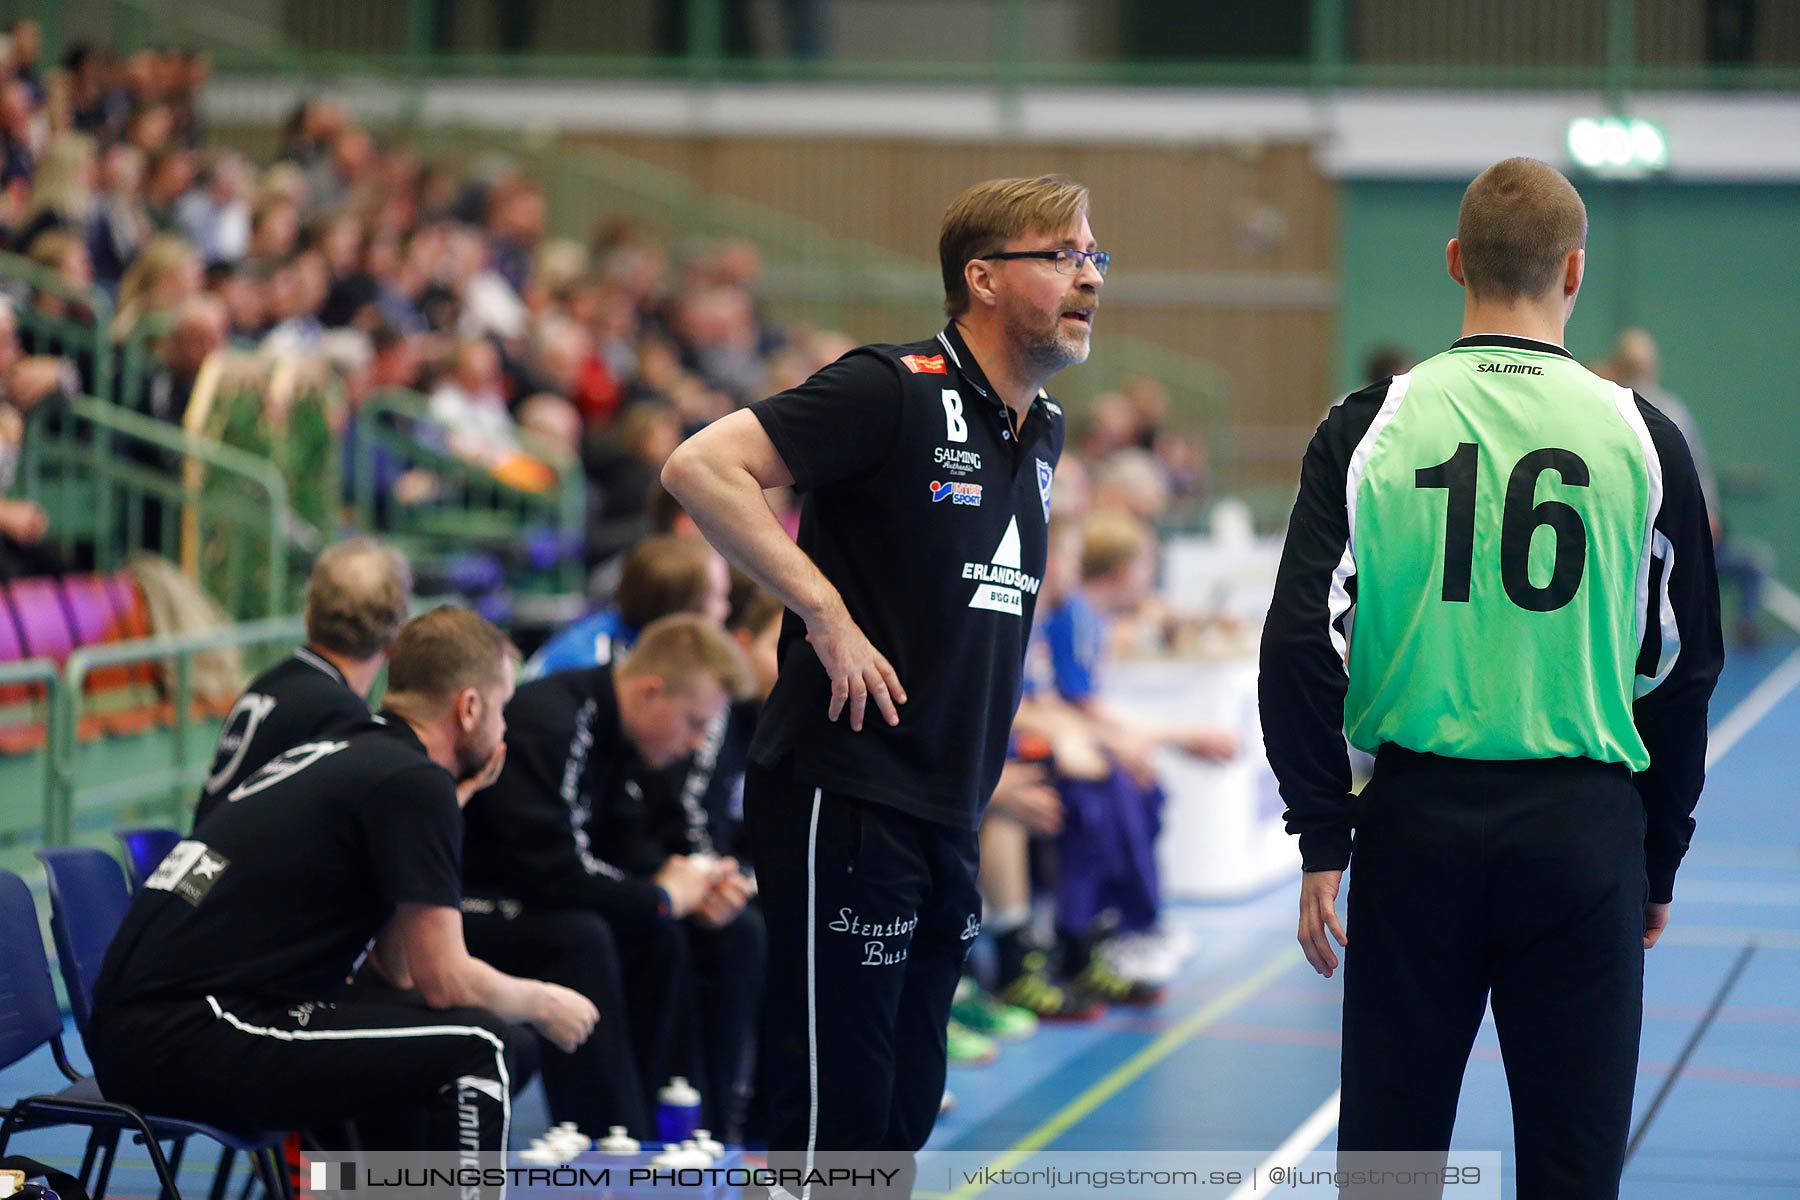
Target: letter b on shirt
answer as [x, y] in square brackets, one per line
[957, 429]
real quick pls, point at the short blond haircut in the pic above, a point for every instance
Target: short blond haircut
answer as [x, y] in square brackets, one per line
[684, 648]
[987, 216]
[1518, 222]
[1111, 539]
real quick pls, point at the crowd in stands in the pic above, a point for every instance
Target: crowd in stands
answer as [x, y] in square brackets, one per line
[538, 355]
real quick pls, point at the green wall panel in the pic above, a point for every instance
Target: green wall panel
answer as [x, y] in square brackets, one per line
[1712, 271]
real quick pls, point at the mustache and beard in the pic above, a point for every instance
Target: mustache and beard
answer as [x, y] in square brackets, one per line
[1045, 340]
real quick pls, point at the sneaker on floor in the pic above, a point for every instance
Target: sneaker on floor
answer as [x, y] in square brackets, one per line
[1098, 979]
[1033, 992]
[966, 1048]
[1152, 956]
[981, 1012]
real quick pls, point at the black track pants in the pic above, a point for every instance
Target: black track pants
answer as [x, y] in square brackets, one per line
[1523, 882]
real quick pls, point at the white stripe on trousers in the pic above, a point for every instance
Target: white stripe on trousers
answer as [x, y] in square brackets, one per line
[812, 990]
[409, 1031]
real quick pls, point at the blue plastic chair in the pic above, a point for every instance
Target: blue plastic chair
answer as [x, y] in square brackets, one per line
[88, 899]
[31, 1019]
[144, 851]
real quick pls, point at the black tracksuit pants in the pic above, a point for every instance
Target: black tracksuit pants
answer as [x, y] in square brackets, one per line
[870, 915]
[409, 1076]
[1519, 882]
[640, 982]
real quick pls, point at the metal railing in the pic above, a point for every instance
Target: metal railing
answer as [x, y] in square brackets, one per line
[31, 687]
[111, 484]
[56, 317]
[463, 506]
[1615, 45]
[103, 785]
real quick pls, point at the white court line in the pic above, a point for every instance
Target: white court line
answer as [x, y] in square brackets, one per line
[1731, 937]
[1727, 733]
[1300, 1143]
[1753, 708]
[1768, 895]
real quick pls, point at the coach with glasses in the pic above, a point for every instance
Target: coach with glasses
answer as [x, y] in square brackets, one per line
[926, 471]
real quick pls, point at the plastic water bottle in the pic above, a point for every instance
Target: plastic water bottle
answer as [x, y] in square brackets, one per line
[704, 1139]
[616, 1142]
[677, 1111]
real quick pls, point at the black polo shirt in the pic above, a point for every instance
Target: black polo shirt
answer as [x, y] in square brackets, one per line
[566, 824]
[299, 699]
[281, 892]
[929, 518]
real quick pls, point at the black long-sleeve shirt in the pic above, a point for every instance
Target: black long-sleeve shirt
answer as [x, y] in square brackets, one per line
[1304, 680]
[565, 825]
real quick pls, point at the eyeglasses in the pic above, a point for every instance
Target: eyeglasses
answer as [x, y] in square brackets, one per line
[1066, 261]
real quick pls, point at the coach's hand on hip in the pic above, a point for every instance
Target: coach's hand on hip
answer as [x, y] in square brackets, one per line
[859, 672]
[1318, 913]
[1656, 919]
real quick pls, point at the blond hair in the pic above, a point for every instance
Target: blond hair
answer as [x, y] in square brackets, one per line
[985, 217]
[60, 185]
[160, 260]
[684, 648]
[1111, 539]
[1518, 222]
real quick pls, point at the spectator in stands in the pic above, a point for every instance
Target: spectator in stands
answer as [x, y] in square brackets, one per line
[26, 382]
[201, 327]
[230, 963]
[297, 290]
[1132, 481]
[1637, 364]
[121, 225]
[216, 215]
[167, 274]
[168, 174]
[564, 879]
[274, 226]
[243, 289]
[663, 575]
[470, 405]
[356, 601]
[84, 97]
[62, 253]
[62, 194]
[18, 142]
[27, 43]
[622, 462]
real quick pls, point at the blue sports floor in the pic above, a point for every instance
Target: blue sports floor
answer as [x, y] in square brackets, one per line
[1245, 1050]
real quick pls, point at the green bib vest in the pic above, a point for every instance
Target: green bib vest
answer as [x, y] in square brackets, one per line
[1501, 509]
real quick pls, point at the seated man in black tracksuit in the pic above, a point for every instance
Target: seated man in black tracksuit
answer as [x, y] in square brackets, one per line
[222, 997]
[696, 807]
[356, 601]
[561, 871]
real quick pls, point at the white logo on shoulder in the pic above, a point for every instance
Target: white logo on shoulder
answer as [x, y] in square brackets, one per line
[189, 870]
[1003, 583]
[957, 429]
[241, 724]
[289, 764]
